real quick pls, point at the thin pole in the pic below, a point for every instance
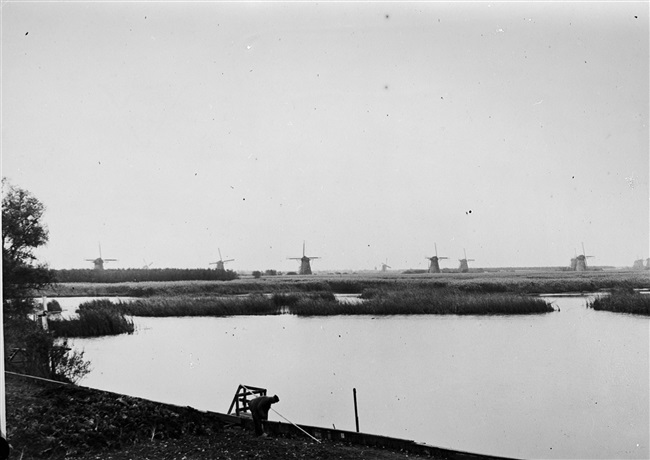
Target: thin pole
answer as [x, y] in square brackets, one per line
[3, 406]
[4, 445]
[356, 413]
[295, 425]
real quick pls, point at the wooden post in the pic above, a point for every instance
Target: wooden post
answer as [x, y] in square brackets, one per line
[4, 445]
[356, 413]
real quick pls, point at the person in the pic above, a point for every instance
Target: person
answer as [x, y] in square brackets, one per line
[259, 408]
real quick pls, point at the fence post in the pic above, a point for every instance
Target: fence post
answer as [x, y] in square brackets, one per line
[356, 413]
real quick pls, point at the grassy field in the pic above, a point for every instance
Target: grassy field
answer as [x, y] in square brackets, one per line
[522, 282]
[492, 293]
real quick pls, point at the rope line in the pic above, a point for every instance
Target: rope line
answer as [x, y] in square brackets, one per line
[295, 425]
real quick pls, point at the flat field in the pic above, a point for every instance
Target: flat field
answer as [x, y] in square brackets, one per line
[538, 281]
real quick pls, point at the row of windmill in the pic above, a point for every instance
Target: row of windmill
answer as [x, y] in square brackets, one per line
[434, 262]
[305, 265]
[434, 265]
[578, 263]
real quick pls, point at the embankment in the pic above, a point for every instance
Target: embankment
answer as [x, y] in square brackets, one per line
[51, 420]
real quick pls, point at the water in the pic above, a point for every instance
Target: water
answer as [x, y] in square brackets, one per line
[570, 384]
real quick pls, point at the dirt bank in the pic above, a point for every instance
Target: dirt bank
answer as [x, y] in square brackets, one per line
[61, 421]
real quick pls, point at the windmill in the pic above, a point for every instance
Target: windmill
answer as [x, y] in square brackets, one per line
[146, 265]
[464, 268]
[574, 260]
[220, 263]
[384, 266]
[99, 262]
[581, 260]
[305, 267]
[434, 267]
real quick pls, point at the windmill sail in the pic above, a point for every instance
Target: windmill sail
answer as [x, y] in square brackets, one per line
[99, 262]
[220, 264]
[434, 266]
[305, 266]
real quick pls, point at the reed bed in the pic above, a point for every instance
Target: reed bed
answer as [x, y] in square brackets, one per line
[96, 318]
[441, 301]
[251, 304]
[254, 304]
[623, 301]
[525, 282]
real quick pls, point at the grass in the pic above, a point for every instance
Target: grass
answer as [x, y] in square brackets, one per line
[254, 304]
[251, 304]
[623, 301]
[96, 318]
[441, 301]
[522, 282]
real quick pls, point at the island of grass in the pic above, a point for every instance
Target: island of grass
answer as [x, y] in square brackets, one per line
[438, 301]
[103, 317]
[94, 319]
[537, 281]
[508, 292]
[623, 301]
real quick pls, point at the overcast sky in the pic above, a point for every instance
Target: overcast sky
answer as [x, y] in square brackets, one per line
[515, 131]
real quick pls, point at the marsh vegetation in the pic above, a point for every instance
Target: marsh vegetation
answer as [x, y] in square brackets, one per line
[95, 318]
[501, 293]
[623, 301]
[104, 317]
[522, 282]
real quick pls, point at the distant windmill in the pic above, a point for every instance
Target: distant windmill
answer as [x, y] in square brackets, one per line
[146, 265]
[638, 264]
[464, 268]
[581, 260]
[220, 263]
[305, 267]
[574, 260]
[434, 267]
[384, 266]
[99, 262]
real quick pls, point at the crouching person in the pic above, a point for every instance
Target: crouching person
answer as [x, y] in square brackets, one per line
[260, 411]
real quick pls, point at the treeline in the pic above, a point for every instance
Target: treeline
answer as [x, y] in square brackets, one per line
[142, 275]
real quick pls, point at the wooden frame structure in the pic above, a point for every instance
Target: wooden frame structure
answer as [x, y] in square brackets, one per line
[242, 397]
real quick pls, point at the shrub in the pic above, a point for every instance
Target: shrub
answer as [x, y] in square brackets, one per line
[53, 305]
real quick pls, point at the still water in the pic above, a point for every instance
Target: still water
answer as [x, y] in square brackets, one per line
[569, 384]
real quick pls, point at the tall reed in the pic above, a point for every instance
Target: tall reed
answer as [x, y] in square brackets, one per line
[439, 301]
[254, 304]
[623, 301]
[95, 318]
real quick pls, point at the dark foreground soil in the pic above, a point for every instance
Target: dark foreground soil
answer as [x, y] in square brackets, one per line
[49, 421]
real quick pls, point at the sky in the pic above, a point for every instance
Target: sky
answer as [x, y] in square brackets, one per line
[372, 131]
